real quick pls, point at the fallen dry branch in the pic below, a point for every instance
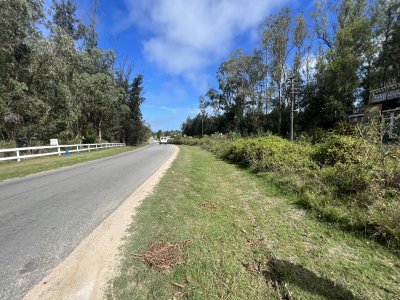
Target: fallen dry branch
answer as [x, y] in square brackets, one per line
[164, 255]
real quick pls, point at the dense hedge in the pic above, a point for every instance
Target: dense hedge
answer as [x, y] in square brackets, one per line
[347, 179]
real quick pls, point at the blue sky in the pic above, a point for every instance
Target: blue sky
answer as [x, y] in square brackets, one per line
[178, 45]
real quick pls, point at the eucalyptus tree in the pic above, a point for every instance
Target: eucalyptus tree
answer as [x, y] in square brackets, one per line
[64, 18]
[136, 98]
[337, 78]
[240, 82]
[91, 35]
[18, 34]
[122, 119]
[388, 22]
[54, 85]
[232, 92]
[299, 35]
[97, 96]
[277, 34]
[215, 101]
[265, 35]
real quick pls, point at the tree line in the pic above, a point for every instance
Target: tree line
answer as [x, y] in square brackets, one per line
[318, 70]
[56, 82]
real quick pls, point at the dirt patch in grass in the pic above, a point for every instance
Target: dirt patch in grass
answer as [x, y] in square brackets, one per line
[164, 255]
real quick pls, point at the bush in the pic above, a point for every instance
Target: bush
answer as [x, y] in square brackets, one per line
[339, 149]
[8, 144]
[271, 153]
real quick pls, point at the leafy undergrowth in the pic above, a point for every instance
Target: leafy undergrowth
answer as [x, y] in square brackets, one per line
[246, 242]
[352, 180]
[25, 167]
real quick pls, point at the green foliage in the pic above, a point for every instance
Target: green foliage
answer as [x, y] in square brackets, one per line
[135, 128]
[51, 87]
[271, 153]
[346, 179]
[7, 144]
[339, 148]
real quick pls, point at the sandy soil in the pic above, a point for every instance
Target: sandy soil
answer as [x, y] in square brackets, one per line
[84, 274]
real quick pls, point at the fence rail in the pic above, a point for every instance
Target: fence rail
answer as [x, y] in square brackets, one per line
[28, 152]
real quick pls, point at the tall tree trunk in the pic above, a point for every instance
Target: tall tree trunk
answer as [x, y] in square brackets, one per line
[266, 86]
[280, 109]
[99, 131]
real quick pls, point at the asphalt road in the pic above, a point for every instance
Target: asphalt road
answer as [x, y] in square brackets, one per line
[44, 217]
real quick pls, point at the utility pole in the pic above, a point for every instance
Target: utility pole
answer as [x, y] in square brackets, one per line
[202, 111]
[202, 127]
[292, 81]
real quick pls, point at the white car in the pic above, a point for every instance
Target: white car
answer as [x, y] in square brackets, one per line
[163, 140]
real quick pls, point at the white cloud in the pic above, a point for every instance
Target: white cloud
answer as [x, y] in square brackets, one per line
[186, 36]
[181, 110]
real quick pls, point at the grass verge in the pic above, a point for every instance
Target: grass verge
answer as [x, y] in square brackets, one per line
[25, 167]
[242, 240]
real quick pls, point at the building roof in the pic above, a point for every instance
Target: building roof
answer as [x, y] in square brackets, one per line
[385, 94]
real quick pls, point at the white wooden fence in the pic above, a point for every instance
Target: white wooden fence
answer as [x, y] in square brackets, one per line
[29, 152]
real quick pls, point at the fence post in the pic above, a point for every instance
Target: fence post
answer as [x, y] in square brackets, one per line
[18, 158]
[59, 150]
[89, 148]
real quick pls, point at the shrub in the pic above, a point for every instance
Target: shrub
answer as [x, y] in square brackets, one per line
[339, 148]
[348, 179]
[271, 153]
[314, 136]
[8, 144]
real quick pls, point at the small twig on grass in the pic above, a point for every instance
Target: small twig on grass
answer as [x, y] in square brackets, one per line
[178, 285]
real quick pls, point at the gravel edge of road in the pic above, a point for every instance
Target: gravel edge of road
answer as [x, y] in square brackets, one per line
[85, 273]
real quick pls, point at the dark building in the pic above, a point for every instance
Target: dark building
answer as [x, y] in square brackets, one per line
[387, 100]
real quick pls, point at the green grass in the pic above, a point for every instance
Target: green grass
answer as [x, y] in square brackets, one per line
[12, 169]
[249, 242]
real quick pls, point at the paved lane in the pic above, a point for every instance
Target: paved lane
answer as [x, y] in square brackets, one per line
[44, 217]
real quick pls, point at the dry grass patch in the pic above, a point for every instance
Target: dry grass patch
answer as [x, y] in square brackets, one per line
[165, 255]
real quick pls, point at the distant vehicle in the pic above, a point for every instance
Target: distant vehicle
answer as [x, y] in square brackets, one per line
[164, 140]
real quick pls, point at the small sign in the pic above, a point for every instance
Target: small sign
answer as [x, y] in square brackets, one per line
[385, 96]
[53, 142]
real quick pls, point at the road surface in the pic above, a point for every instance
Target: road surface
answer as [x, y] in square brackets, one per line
[44, 217]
